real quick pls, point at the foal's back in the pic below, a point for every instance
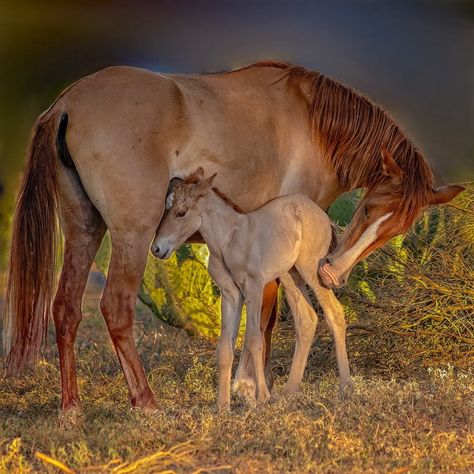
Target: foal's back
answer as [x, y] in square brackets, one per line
[284, 230]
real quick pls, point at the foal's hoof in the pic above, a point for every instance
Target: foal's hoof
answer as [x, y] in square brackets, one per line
[223, 409]
[245, 389]
[346, 391]
[269, 379]
[290, 390]
[263, 397]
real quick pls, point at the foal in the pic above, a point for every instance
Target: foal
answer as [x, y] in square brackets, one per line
[283, 239]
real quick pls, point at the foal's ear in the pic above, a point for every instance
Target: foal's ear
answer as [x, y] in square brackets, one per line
[204, 185]
[390, 167]
[199, 173]
[445, 194]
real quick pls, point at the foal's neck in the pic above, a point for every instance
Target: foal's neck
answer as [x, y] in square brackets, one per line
[219, 222]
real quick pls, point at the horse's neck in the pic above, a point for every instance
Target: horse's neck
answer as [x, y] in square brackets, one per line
[219, 222]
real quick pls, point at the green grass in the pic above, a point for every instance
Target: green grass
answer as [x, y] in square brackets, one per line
[401, 418]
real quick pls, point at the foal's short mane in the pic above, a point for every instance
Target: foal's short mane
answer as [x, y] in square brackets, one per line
[228, 201]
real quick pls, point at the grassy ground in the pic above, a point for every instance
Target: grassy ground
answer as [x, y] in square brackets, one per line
[401, 419]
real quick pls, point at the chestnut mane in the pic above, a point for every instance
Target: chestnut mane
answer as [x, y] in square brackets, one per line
[228, 201]
[351, 131]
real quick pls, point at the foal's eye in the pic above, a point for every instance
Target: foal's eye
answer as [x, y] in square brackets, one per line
[180, 214]
[366, 211]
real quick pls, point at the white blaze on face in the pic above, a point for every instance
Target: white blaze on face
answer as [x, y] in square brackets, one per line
[346, 260]
[169, 201]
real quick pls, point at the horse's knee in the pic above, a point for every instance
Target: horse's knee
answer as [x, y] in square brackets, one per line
[66, 315]
[118, 311]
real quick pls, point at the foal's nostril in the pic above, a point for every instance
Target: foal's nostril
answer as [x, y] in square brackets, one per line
[156, 250]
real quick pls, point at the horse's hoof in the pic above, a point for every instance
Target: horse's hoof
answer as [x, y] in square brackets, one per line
[70, 417]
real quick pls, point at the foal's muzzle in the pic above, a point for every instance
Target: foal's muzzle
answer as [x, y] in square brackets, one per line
[160, 252]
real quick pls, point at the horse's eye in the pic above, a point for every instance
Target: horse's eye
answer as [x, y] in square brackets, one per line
[180, 214]
[366, 211]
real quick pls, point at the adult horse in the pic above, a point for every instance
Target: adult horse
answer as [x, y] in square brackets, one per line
[102, 157]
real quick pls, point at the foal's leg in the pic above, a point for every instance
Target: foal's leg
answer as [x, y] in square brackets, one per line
[231, 311]
[83, 230]
[334, 315]
[129, 253]
[253, 292]
[305, 320]
[245, 381]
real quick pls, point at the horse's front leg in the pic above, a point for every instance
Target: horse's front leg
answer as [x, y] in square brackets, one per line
[118, 307]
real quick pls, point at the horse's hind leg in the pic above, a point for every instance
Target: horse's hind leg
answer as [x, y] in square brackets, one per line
[268, 319]
[305, 320]
[129, 253]
[83, 230]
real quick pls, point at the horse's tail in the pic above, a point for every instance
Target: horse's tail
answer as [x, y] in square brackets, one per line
[30, 278]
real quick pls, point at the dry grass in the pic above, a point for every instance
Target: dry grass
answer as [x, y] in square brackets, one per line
[400, 419]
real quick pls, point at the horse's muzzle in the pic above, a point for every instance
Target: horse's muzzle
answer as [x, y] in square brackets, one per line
[327, 275]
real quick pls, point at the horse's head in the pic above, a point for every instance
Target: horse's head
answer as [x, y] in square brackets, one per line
[382, 214]
[183, 216]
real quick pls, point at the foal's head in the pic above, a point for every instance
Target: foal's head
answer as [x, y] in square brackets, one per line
[183, 216]
[388, 208]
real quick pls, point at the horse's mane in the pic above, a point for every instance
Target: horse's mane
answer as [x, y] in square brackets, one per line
[351, 131]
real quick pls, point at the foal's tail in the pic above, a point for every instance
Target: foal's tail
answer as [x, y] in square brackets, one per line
[33, 252]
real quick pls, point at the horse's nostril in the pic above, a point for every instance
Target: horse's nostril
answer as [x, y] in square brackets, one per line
[156, 250]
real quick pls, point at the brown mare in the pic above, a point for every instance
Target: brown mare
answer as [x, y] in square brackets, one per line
[102, 156]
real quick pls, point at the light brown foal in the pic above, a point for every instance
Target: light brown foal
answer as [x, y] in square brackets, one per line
[284, 239]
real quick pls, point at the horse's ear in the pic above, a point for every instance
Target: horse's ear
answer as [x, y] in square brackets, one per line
[390, 167]
[445, 194]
